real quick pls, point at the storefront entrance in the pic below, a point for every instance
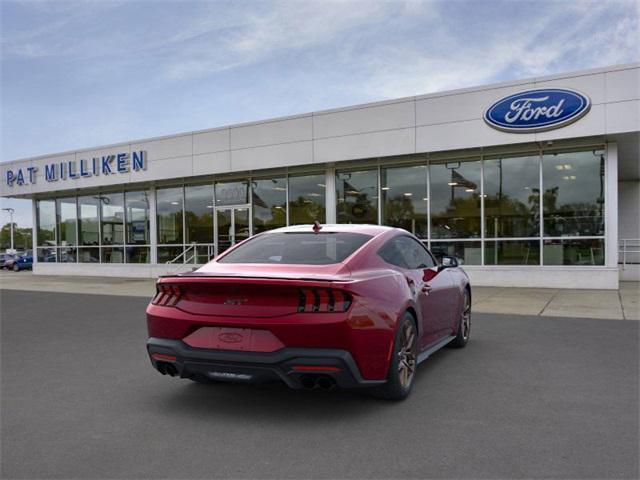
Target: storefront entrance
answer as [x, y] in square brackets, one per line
[232, 226]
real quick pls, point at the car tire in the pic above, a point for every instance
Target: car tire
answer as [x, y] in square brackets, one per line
[404, 360]
[464, 323]
[16, 268]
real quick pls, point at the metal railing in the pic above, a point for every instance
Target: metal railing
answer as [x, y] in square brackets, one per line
[190, 254]
[190, 250]
[629, 251]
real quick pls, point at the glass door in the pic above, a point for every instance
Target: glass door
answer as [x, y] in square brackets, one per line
[232, 226]
[224, 229]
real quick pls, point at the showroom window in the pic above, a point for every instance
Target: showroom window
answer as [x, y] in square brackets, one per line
[88, 229]
[573, 198]
[405, 199]
[46, 230]
[232, 193]
[512, 196]
[573, 207]
[67, 215]
[112, 227]
[170, 223]
[357, 196]
[307, 199]
[198, 217]
[269, 202]
[137, 248]
[455, 199]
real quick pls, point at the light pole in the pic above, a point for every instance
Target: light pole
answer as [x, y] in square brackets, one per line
[11, 212]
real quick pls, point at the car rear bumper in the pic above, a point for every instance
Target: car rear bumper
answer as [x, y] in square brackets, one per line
[296, 367]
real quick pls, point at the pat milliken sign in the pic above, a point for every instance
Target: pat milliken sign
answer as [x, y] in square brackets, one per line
[115, 164]
[537, 110]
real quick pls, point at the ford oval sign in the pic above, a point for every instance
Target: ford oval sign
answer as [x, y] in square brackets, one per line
[537, 110]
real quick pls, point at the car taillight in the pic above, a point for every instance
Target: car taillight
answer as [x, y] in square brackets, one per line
[167, 295]
[323, 300]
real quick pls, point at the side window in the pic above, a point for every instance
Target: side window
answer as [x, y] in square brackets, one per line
[407, 253]
[415, 254]
[391, 253]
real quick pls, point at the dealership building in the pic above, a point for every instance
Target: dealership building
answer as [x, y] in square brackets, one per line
[530, 183]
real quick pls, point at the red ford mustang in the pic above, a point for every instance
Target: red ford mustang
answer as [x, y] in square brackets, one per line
[314, 307]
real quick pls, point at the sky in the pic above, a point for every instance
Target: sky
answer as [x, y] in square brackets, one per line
[87, 73]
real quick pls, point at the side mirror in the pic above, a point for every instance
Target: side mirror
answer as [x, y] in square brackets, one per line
[448, 262]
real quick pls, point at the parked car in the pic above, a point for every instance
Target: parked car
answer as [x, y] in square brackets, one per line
[352, 306]
[7, 261]
[23, 262]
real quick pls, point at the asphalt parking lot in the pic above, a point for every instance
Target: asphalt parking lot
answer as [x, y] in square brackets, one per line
[530, 397]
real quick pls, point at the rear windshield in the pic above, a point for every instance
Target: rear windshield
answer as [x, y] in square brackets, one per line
[297, 248]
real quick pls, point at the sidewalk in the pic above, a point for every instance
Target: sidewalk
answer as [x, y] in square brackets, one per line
[623, 304]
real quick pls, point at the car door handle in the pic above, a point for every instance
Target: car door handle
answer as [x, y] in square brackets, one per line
[426, 288]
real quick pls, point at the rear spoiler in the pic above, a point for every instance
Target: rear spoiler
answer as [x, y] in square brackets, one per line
[234, 278]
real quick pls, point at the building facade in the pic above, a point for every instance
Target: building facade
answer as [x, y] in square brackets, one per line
[529, 183]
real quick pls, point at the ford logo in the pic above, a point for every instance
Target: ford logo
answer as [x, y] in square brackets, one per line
[537, 110]
[230, 337]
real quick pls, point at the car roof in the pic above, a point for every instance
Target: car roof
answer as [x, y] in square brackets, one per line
[365, 229]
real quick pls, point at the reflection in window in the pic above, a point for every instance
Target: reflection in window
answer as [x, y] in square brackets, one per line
[137, 254]
[112, 255]
[307, 199]
[455, 200]
[269, 199]
[137, 218]
[574, 252]
[467, 253]
[357, 197]
[198, 213]
[67, 254]
[112, 217]
[88, 221]
[46, 216]
[232, 193]
[512, 197]
[67, 221]
[573, 198]
[166, 254]
[169, 207]
[512, 252]
[89, 255]
[47, 254]
[405, 202]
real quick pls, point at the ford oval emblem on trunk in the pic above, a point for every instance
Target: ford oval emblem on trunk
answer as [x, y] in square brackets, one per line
[230, 337]
[537, 110]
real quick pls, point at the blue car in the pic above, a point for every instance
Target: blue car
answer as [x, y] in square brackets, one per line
[23, 262]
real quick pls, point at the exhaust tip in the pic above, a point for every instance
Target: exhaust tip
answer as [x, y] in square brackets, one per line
[308, 382]
[167, 368]
[325, 383]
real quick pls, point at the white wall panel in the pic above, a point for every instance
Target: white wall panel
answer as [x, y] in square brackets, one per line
[592, 85]
[166, 169]
[286, 154]
[166, 147]
[593, 123]
[623, 116]
[469, 134]
[456, 108]
[212, 141]
[361, 120]
[623, 85]
[271, 133]
[209, 163]
[366, 145]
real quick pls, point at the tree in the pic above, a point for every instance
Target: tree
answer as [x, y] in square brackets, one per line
[21, 237]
